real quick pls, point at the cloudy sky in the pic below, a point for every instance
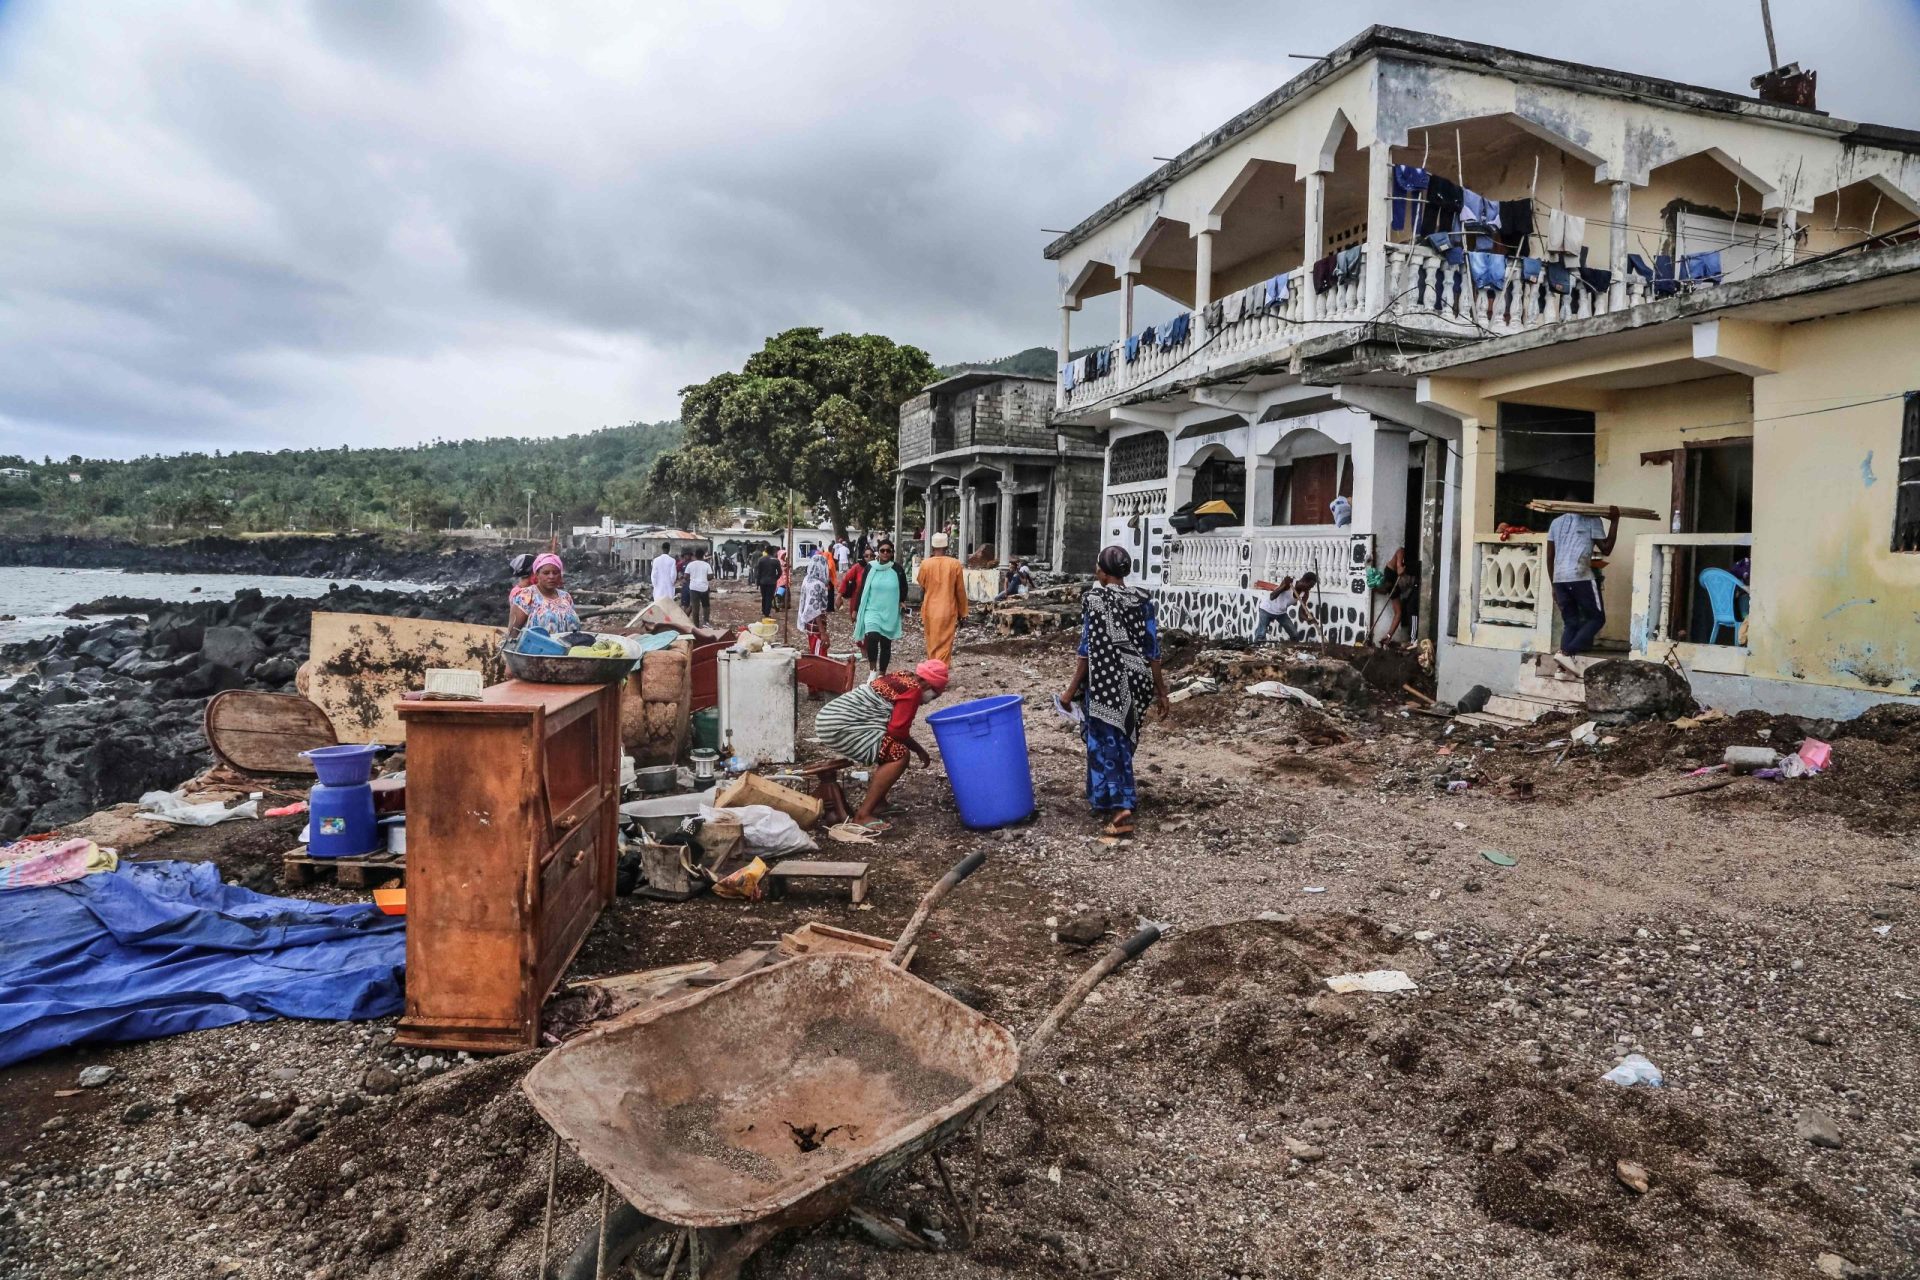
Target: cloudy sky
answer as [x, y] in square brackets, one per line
[266, 224]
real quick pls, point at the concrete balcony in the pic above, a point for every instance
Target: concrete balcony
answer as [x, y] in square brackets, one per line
[1426, 298]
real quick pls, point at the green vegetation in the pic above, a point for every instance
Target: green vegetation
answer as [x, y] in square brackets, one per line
[1034, 362]
[817, 415]
[460, 483]
[811, 415]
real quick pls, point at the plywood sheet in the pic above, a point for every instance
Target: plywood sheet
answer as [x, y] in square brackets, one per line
[363, 662]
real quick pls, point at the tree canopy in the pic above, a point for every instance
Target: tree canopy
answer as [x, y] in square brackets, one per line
[809, 412]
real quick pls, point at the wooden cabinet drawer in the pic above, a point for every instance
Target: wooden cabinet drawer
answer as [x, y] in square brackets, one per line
[568, 889]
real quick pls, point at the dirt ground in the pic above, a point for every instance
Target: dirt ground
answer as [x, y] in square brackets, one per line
[1214, 1110]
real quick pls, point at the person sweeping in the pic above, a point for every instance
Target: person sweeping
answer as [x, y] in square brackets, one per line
[1117, 677]
[872, 726]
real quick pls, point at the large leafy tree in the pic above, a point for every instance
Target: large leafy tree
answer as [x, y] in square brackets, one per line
[809, 412]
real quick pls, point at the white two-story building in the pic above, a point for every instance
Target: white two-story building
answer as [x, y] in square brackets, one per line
[1279, 282]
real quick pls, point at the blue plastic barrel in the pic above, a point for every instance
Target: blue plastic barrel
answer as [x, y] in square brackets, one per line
[984, 746]
[340, 821]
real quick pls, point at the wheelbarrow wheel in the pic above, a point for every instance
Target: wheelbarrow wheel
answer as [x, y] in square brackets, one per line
[632, 1237]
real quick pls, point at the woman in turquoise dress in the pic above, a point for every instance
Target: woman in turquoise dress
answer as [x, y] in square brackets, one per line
[877, 623]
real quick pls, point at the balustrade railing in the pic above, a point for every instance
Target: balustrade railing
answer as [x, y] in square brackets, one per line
[1207, 560]
[1423, 290]
[1510, 587]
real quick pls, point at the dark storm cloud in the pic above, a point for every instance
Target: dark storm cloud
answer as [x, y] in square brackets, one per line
[353, 221]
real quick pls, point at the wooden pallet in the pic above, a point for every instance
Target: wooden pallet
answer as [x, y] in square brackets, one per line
[299, 867]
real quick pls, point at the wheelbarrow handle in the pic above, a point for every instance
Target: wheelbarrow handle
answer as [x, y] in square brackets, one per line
[1116, 955]
[966, 867]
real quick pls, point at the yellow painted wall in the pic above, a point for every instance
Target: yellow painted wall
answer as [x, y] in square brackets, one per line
[1641, 421]
[1833, 604]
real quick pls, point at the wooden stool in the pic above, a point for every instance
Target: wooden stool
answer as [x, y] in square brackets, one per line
[855, 873]
[825, 776]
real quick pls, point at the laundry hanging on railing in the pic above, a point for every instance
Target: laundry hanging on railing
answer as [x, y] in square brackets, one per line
[1701, 268]
[1442, 209]
[1274, 290]
[1659, 273]
[1566, 232]
[1489, 271]
[1409, 183]
[1066, 376]
[1478, 214]
[1516, 223]
[1346, 264]
[1323, 274]
[1175, 331]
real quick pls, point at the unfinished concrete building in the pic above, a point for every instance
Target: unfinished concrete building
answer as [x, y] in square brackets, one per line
[1283, 284]
[980, 453]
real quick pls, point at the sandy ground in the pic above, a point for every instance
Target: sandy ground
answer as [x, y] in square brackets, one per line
[1214, 1110]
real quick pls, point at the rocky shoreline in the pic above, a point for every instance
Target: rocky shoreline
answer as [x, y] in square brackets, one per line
[112, 709]
[367, 557]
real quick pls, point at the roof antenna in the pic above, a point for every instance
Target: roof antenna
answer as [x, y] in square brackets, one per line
[1766, 20]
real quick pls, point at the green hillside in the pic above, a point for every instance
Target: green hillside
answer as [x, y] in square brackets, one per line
[463, 483]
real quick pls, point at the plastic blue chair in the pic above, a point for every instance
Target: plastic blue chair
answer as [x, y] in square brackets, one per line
[1723, 593]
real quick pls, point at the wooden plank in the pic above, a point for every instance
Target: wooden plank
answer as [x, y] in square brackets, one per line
[795, 870]
[363, 662]
[1554, 506]
[266, 732]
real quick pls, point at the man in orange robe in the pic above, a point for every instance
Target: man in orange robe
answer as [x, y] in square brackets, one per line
[943, 597]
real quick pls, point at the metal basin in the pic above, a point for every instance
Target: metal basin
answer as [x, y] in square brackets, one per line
[544, 670]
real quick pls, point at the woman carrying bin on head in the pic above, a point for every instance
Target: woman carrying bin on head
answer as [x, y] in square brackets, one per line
[1117, 678]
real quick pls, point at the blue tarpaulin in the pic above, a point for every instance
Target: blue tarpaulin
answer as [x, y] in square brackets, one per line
[157, 948]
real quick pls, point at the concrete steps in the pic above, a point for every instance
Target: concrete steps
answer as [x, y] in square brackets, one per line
[1524, 708]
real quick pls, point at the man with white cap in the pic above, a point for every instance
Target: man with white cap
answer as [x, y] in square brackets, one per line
[943, 597]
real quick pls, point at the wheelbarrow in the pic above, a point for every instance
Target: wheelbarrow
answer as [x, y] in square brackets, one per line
[776, 1100]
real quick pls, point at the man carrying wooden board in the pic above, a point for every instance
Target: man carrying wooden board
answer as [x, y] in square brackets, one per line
[1573, 539]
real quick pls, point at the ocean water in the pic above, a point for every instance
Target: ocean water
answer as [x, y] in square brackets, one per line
[35, 595]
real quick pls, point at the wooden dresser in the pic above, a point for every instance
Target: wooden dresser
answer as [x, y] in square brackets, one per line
[512, 813]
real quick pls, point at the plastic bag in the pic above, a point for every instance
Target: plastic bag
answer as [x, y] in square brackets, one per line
[169, 806]
[1286, 692]
[765, 830]
[1635, 1069]
[744, 883]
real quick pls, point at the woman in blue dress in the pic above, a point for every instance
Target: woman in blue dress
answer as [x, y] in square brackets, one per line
[1117, 677]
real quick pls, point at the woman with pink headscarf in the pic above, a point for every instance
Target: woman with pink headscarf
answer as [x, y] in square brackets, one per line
[872, 726]
[543, 605]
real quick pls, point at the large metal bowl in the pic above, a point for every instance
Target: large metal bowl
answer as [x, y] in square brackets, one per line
[540, 669]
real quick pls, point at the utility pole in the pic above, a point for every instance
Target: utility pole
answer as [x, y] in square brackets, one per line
[1766, 20]
[529, 524]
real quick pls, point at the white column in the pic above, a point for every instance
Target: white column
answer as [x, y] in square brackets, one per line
[1003, 537]
[1126, 305]
[1316, 229]
[968, 508]
[1259, 512]
[1380, 486]
[1202, 270]
[1617, 243]
[899, 504]
[1379, 219]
